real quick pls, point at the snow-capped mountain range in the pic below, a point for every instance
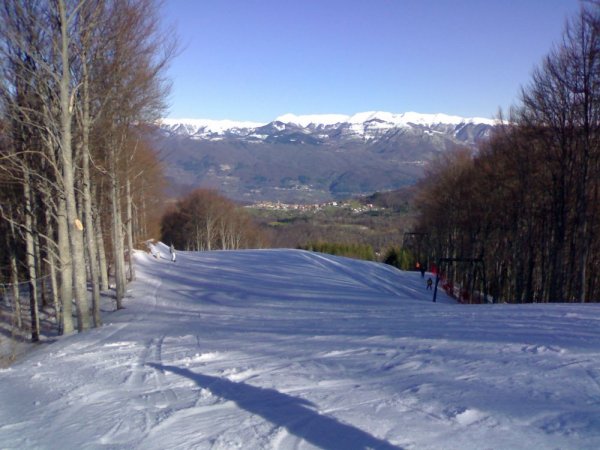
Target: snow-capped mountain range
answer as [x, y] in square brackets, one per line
[310, 158]
[365, 125]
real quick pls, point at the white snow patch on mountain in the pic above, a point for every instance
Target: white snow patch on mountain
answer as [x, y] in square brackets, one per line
[386, 119]
[210, 126]
[313, 119]
[361, 123]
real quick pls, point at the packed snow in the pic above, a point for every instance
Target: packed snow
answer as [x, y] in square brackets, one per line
[286, 349]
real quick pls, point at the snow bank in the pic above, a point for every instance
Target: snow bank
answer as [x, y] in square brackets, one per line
[289, 349]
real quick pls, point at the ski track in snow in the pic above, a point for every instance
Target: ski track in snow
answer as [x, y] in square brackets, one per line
[288, 349]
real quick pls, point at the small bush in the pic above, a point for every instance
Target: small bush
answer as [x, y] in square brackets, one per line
[399, 257]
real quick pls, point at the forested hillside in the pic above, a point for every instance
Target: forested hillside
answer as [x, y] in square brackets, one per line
[527, 203]
[378, 222]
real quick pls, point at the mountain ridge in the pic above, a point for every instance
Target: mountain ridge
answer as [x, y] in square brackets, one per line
[386, 120]
[310, 158]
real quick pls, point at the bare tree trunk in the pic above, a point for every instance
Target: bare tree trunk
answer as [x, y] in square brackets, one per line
[129, 229]
[102, 265]
[117, 230]
[142, 215]
[87, 197]
[10, 240]
[54, 287]
[75, 229]
[52, 269]
[66, 269]
[39, 271]
[90, 237]
[31, 264]
[209, 232]
[14, 280]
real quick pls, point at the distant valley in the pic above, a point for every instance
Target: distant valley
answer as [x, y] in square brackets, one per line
[309, 159]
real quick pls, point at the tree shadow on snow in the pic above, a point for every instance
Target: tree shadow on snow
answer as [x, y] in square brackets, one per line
[294, 414]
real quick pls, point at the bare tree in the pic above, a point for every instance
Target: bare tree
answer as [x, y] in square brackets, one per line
[528, 201]
[77, 76]
[205, 220]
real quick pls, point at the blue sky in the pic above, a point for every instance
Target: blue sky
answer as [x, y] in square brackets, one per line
[258, 59]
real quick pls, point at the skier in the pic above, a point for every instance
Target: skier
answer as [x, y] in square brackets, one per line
[173, 256]
[429, 283]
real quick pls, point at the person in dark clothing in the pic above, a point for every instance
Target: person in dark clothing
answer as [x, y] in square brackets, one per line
[429, 283]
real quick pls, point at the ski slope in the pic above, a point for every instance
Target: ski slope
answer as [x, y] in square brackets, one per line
[286, 349]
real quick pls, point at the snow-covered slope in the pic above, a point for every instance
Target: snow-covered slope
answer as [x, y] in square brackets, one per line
[285, 349]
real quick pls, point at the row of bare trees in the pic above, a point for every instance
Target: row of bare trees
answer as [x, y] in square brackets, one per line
[205, 220]
[528, 202]
[78, 79]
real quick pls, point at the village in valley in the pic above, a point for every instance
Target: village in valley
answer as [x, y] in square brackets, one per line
[350, 205]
